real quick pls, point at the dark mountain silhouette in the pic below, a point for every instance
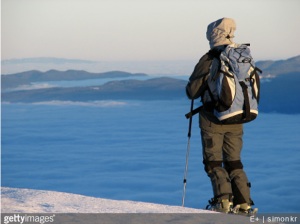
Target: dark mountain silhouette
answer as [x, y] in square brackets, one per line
[25, 78]
[279, 94]
[152, 89]
[280, 67]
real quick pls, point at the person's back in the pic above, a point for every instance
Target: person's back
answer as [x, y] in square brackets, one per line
[222, 144]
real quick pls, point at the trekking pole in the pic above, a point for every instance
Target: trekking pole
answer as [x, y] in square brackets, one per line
[187, 154]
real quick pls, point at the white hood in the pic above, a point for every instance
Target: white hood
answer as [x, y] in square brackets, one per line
[221, 32]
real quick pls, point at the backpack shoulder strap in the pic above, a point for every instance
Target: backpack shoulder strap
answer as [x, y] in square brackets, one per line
[198, 79]
[197, 75]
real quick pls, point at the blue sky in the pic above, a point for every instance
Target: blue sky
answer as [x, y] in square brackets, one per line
[141, 30]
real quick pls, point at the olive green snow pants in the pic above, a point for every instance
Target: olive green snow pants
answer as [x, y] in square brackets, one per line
[222, 144]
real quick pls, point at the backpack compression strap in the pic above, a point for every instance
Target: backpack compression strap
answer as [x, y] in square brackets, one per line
[256, 82]
[246, 102]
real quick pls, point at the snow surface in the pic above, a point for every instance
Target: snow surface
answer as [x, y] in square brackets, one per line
[15, 200]
[74, 208]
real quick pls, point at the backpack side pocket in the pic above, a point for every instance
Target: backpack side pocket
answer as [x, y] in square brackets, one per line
[226, 87]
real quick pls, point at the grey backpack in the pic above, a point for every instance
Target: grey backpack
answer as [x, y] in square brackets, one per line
[236, 82]
[238, 86]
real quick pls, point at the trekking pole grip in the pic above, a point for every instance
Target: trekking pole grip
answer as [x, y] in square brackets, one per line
[190, 122]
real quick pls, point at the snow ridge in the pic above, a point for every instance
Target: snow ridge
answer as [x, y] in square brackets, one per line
[41, 201]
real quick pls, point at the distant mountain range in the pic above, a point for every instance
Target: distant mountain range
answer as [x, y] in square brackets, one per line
[153, 89]
[281, 67]
[279, 94]
[26, 78]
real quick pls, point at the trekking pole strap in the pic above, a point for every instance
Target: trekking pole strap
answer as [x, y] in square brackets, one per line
[193, 112]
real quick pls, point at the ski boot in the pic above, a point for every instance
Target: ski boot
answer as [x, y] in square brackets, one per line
[244, 209]
[220, 205]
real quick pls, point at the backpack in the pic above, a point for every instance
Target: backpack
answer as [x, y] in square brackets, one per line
[238, 86]
[236, 82]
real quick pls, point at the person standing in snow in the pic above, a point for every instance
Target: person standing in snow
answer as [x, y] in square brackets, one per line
[222, 144]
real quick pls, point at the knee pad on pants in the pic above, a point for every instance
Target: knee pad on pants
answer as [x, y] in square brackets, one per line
[233, 165]
[210, 165]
